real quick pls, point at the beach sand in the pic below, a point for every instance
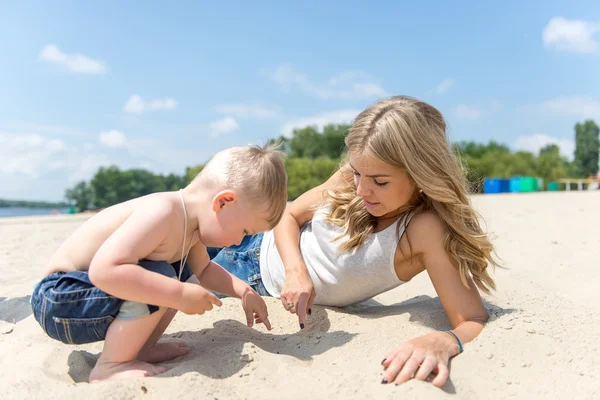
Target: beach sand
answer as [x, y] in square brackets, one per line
[541, 340]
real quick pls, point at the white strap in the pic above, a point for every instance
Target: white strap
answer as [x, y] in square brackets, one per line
[183, 259]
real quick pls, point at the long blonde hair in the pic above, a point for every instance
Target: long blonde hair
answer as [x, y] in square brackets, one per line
[408, 133]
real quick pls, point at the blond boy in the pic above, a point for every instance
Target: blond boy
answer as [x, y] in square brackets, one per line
[113, 278]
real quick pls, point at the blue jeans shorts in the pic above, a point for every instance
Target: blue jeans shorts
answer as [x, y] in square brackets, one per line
[69, 308]
[242, 261]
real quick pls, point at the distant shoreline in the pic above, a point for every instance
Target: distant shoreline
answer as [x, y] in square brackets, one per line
[30, 204]
[14, 211]
[48, 207]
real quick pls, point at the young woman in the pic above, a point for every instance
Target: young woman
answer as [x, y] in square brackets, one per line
[397, 206]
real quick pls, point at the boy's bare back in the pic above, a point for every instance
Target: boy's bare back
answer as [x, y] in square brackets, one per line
[160, 213]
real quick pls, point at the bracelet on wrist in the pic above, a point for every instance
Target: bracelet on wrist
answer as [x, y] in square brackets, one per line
[460, 346]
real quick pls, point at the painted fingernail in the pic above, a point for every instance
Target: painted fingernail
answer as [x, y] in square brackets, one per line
[309, 311]
[301, 326]
[384, 381]
[383, 360]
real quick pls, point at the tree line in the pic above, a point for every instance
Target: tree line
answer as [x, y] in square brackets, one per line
[312, 156]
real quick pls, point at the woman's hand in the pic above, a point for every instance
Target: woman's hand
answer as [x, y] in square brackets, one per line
[420, 357]
[298, 295]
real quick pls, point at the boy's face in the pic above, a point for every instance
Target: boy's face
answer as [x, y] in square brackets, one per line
[234, 218]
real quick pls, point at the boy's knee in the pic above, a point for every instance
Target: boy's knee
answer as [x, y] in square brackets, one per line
[131, 310]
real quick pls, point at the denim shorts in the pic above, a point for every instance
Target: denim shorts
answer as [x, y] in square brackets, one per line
[69, 308]
[242, 261]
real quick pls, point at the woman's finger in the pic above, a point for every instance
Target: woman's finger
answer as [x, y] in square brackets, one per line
[410, 368]
[288, 303]
[395, 364]
[427, 366]
[442, 375]
[311, 300]
[302, 306]
[390, 356]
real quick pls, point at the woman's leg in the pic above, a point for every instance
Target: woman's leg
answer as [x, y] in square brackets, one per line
[243, 262]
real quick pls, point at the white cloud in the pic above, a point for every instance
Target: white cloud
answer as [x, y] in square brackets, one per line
[55, 145]
[467, 112]
[38, 166]
[86, 166]
[137, 105]
[568, 106]
[573, 35]
[346, 86]
[444, 86]
[26, 154]
[246, 111]
[320, 121]
[113, 138]
[25, 127]
[534, 143]
[223, 126]
[75, 62]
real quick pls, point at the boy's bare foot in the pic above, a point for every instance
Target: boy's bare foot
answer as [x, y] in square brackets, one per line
[104, 371]
[163, 351]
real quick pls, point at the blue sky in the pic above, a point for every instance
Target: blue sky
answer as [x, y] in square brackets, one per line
[162, 87]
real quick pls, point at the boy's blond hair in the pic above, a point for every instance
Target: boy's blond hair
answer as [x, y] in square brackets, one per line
[258, 172]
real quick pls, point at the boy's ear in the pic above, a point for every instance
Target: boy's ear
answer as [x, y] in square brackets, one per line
[222, 199]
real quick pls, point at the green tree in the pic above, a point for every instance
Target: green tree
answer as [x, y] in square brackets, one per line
[283, 142]
[587, 146]
[306, 143]
[110, 185]
[493, 160]
[551, 166]
[191, 173]
[306, 173]
[174, 182]
[81, 195]
[333, 140]
[105, 186]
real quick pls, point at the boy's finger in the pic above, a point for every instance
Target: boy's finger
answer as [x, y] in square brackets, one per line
[263, 316]
[215, 300]
[265, 321]
[249, 318]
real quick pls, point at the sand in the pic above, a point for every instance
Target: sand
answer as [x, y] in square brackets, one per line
[541, 341]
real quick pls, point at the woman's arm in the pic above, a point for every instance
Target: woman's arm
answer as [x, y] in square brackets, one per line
[298, 288]
[464, 307]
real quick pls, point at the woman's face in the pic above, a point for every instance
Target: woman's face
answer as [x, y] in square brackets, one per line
[383, 188]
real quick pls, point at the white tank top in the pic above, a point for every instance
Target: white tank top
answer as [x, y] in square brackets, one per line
[339, 279]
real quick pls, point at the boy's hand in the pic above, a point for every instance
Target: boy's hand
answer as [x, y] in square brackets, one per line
[255, 308]
[197, 300]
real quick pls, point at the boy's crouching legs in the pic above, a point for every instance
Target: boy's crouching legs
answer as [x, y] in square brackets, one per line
[124, 340]
[154, 351]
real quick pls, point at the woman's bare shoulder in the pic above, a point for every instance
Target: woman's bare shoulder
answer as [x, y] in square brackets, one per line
[425, 230]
